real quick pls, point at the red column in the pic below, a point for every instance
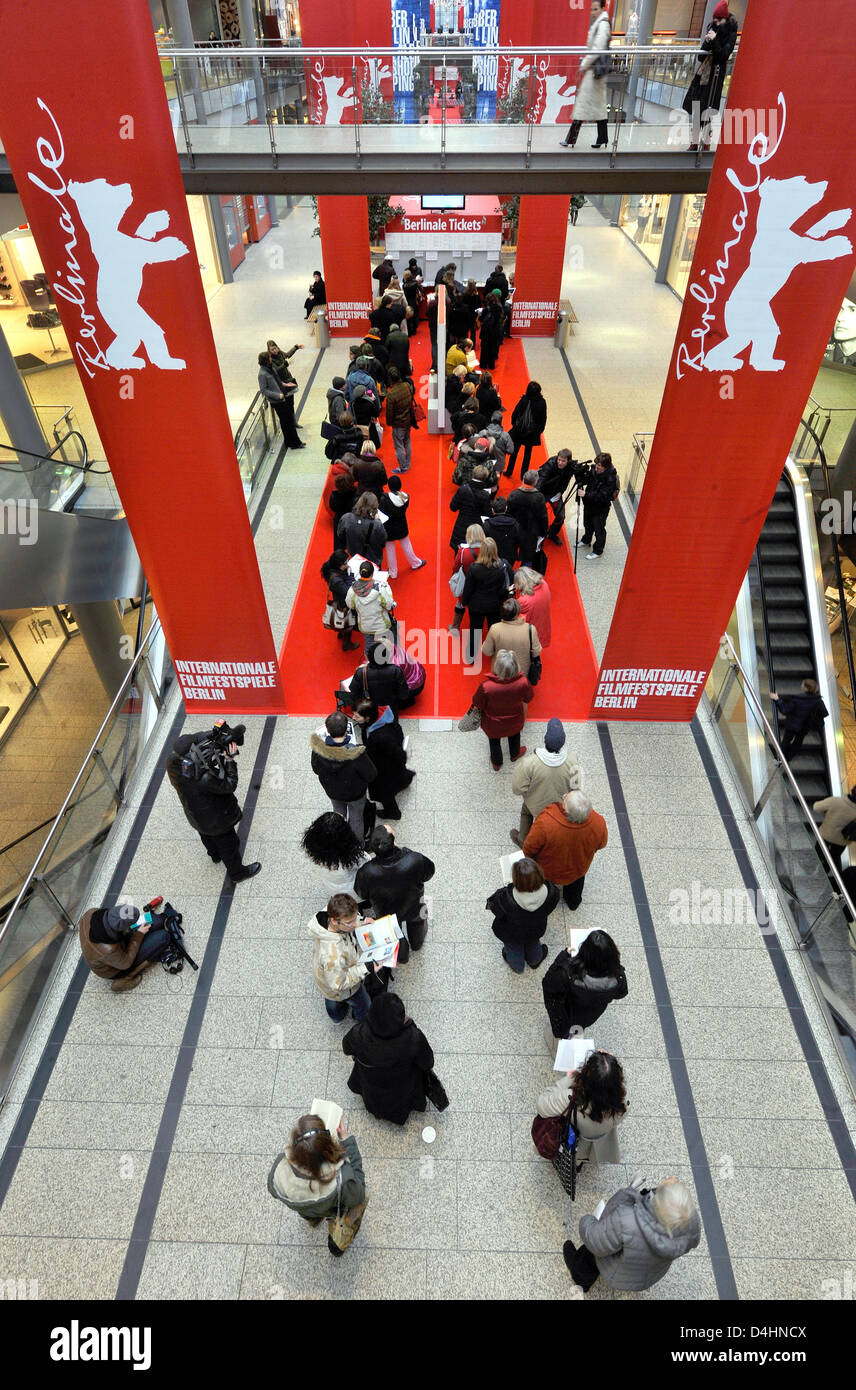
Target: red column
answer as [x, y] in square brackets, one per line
[333, 87]
[772, 264]
[102, 189]
[551, 85]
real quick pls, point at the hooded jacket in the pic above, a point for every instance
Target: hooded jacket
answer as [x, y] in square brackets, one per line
[106, 959]
[341, 1184]
[394, 507]
[336, 963]
[575, 1000]
[385, 685]
[520, 920]
[503, 529]
[358, 377]
[362, 535]
[541, 781]
[208, 802]
[343, 769]
[391, 1058]
[633, 1251]
[395, 884]
[372, 602]
[384, 741]
[337, 401]
[564, 850]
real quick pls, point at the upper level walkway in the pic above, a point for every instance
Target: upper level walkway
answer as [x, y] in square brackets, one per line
[472, 120]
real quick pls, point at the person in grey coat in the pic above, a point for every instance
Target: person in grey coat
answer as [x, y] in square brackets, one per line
[636, 1238]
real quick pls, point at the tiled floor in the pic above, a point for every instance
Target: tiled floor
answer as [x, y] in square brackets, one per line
[720, 1090]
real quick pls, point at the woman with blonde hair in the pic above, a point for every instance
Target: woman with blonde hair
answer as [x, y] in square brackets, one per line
[502, 698]
[533, 594]
[466, 556]
[485, 591]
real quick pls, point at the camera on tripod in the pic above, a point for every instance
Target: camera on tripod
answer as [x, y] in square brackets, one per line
[207, 756]
[174, 954]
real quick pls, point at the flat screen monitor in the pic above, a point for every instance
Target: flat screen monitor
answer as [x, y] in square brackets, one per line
[443, 202]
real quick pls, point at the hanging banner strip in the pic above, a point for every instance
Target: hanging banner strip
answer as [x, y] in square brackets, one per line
[773, 261]
[102, 190]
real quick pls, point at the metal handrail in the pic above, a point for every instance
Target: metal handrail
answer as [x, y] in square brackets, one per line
[118, 701]
[438, 51]
[48, 458]
[755, 700]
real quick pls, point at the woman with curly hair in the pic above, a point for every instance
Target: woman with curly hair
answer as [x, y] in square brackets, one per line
[332, 845]
[597, 1092]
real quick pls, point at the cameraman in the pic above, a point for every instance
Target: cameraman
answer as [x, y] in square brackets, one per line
[118, 945]
[202, 769]
[602, 487]
[554, 480]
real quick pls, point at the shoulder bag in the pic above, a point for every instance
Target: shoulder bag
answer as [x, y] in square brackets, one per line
[435, 1091]
[345, 1224]
[533, 675]
[565, 1160]
[457, 582]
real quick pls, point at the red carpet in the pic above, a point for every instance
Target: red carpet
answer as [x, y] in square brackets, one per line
[312, 662]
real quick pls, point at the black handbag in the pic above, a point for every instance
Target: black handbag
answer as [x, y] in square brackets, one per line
[329, 430]
[533, 675]
[565, 1162]
[435, 1091]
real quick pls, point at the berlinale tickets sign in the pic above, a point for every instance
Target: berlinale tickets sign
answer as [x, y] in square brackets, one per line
[773, 261]
[91, 147]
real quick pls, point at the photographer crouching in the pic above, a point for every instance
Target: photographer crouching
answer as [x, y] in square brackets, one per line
[119, 943]
[203, 771]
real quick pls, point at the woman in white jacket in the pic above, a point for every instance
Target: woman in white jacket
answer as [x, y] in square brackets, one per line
[591, 98]
[597, 1090]
[373, 603]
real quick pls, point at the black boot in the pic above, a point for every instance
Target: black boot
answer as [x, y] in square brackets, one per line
[602, 136]
[571, 137]
[246, 871]
[392, 812]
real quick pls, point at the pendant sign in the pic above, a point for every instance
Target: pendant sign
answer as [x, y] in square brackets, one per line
[773, 261]
[104, 199]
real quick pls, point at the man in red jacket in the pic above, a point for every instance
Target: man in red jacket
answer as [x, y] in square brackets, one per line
[564, 840]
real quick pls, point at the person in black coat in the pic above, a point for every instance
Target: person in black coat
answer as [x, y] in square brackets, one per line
[391, 1060]
[381, 680]
[207, 795]
[802, 714]
[601, 489]
[339, 579]
[555, 478]
[471, 502]
[394, 881]
[370, 474]
[398, 347]
[520, 912]
[458, 319]
[485, 591]
[365, 409]
[577, 989]
[468, 413]
[497, 280]
[705, 91]
[349, 440]
[344, 769]
[528, 422]
[488, 397]
[360, 531]
[491, 330]
[317, 294]
[505, 530]
[383, 738]
[529, 509]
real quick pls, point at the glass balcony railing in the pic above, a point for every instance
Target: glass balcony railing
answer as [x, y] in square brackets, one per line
[46, 874]
[512, 101]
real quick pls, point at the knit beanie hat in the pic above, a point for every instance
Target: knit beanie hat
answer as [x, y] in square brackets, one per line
[119, 920]
[721, 11]
[554, 739]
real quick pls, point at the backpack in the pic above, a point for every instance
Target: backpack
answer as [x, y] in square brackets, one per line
[414, 673]
[525, 421]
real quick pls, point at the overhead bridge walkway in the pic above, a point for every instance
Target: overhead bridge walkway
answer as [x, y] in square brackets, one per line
[470, 120]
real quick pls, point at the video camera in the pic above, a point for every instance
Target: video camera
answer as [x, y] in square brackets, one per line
[174, 954]
[207, 756]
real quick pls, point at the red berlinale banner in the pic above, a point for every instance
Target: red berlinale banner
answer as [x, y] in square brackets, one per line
[774, 257]
[91, 148]
[541, 235]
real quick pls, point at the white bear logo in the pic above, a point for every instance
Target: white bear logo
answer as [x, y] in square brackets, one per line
[121, 260]
[555, 100]
[337, 99]
[776, 252]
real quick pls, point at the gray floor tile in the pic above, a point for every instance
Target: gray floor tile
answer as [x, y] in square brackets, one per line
[184, 1271]
[481, 1275]
[231, 1076]
[132, 1020]
[753, 1090]
[518, 1206]
[230, 1021]
[300, 1076]
[727, 978]
[220, 1198]
[296, 1273]
[747, 1143]
[772, 1280]
[90, 1073]
[235, 1129]
[814, 1214]
[715, 1032]
[53, 1266]
[101, 1124]
[102, 1207]
[283, 968]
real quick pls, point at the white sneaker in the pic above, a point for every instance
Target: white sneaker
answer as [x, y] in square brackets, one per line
[593, 555]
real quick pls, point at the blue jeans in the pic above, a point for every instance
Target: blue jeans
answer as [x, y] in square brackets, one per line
[359, 1002]
[532, 954]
